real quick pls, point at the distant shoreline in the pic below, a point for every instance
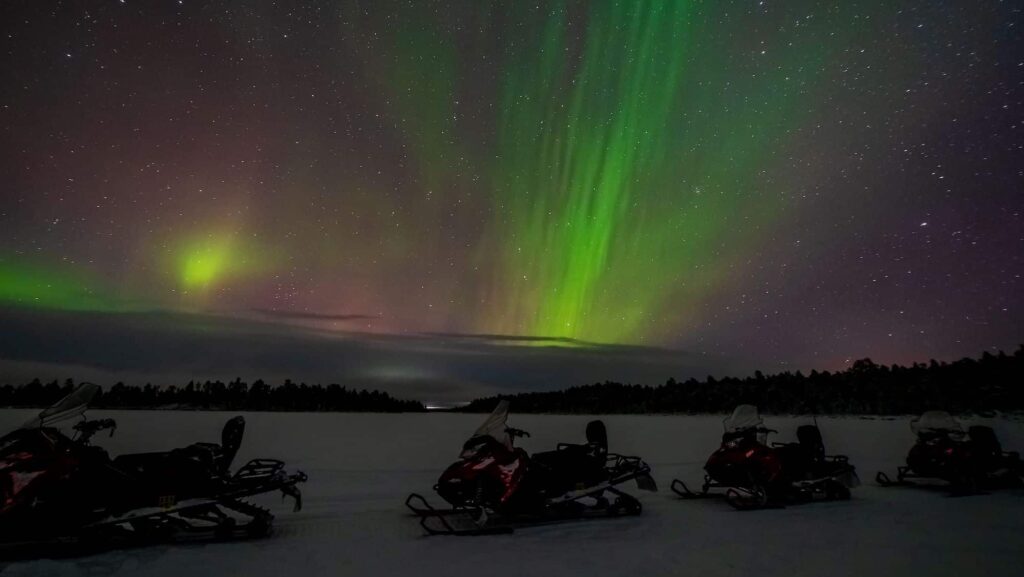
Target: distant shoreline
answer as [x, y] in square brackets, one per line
[987, 386]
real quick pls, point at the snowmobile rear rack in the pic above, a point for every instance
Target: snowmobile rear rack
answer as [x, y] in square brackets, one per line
[631, 468]
[258, 469]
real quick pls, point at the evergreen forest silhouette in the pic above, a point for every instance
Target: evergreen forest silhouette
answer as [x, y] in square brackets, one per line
[993, 382]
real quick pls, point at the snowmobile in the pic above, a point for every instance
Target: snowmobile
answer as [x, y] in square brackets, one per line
[496, 487]
[969, 462]
[755, 474]
[61, 492]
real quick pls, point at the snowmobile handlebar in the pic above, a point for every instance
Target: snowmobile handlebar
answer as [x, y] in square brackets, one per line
[512, 432]
[86, 429]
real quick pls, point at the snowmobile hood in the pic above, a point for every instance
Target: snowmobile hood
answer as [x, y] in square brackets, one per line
[742, 418]
[934, 421]
[495, 425]
[71, 406]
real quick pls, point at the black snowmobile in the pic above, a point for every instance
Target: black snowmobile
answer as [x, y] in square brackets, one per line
[967, 461]
[496, 487]
[59, 492]
[755, 474]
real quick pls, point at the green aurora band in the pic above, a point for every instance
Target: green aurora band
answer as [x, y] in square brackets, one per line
[628, 174]
[26, 284]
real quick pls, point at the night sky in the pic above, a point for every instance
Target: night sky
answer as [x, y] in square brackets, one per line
[450, 198]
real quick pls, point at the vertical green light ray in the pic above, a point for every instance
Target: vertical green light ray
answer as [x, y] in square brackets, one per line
[565, 202]
[629, 175]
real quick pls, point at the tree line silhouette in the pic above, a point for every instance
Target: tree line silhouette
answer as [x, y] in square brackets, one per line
[216, 395]
[994, 382]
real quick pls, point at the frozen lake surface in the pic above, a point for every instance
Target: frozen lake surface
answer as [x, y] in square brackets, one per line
[362, 466]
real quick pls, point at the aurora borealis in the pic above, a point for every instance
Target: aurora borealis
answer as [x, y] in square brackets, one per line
[719, 186]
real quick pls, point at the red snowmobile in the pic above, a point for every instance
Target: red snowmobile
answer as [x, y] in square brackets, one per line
[496, 487]
[755, 474]
[58, 492]
[969, 462]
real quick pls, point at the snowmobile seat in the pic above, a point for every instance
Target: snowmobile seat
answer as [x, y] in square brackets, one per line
[230, 441]
[597, 436]
[806, 457]
[571, 465]
[180, 469]
[809, 438]
[985, 443]
[596, 446]
[218, 457]
[196, 461]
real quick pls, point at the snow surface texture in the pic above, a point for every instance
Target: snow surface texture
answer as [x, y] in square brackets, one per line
[361, 467]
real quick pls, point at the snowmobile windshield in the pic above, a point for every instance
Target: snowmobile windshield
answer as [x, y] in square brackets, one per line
[742, 418]
[494, 426]
[69, 407]
[932, 422]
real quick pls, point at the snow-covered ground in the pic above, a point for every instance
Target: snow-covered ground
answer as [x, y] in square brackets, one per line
[361, 467]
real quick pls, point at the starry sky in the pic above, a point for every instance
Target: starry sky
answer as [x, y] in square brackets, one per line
[451, 198]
